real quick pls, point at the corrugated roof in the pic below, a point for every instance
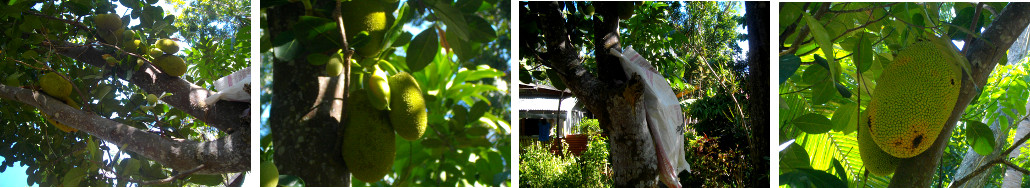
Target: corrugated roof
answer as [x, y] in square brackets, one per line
[550, 104]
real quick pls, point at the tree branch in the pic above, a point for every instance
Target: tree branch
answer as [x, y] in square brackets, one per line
[224, 115]
[983, 56]
[227, 154]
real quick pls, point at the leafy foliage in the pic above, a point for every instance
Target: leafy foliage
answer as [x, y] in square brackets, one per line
[832, 57]
[539, 167]
[55, 158]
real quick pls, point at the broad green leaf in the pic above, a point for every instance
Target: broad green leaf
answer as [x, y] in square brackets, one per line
[980, 137]
[843, 118]
[810, 178]
[825, 43]
[812, 123]
[451, 17]
[481, 31]
[788, 66]
[423, 49]
[286, 47]
[863, 53]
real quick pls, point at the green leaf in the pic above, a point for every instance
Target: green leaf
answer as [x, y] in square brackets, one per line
[73, 177]
[317, 32]
[843, 118]
[789, 64]
[206, 179]
[286, 47]
[402, 40]
[481, 31]
[843, 90]
[452, 17]
[841, 174]
[478, 110]
[794, 156]
[556, 81]
[810, 178]
[823, 39]
[863, 57]
[812, 123]
[290, 181]
[423, 49]
[980, 137]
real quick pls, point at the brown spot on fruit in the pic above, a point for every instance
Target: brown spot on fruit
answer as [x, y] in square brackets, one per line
[917, 140]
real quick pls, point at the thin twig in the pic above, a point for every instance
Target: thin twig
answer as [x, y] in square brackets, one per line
[173, 178]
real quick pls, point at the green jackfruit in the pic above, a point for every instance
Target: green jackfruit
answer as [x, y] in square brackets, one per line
[378, 89]
[109, 22]
[407, 107]
[54, 85]
[269, 174]
[168, 46]
[154, 52]
[171, 65]
[877, 161]
[366, 15]
[913, 98]
[368, 142]
[334, 66]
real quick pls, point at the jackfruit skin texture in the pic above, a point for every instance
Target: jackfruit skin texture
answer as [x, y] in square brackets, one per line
[365, 15]
[171, 65]
[368, 142]
[407, 107]
[168, 46]
[877, 161]
[913, 99]
[54, 85]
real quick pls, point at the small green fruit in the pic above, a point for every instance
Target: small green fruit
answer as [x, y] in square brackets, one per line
[151, 99]
[154, 52]
[269, 174]
[379, 89]
[335, 66]
[168, 46]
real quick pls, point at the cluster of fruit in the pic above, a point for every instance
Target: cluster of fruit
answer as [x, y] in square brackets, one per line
[385, 106]
[161, 53]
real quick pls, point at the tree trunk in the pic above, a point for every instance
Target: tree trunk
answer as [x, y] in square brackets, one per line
[983, 56]
[1014, 178]
[615, 99]
[973, 160]
[306, 112]
[758, 89]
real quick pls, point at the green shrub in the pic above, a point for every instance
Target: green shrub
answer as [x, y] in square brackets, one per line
[538, 167]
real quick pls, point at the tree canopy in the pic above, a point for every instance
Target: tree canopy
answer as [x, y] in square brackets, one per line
[137, 124]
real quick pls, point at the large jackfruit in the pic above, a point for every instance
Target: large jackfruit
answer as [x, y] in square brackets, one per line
[878, 163]
[407, 107]
[54, 85]
[913, 98]
[107, 22]
[168, 46]
[368, 142]
[171, 65]
[366, 15]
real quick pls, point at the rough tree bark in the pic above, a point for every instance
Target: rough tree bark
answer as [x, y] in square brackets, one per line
[757, 18]
[983, 54]
[611, 96]
[306, 112]
[1014, 178]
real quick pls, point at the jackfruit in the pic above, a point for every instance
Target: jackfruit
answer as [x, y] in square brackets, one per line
[171, 65]
[378, 89]
[913, 98]
[154, 52]
[108, 22]
[368, 142]
[168, 46]
[334, 66]
[269, 174]
[407, 107]
[132, 46]
[113, 37]
[366, 15]
[54, 85]
[877, 161]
